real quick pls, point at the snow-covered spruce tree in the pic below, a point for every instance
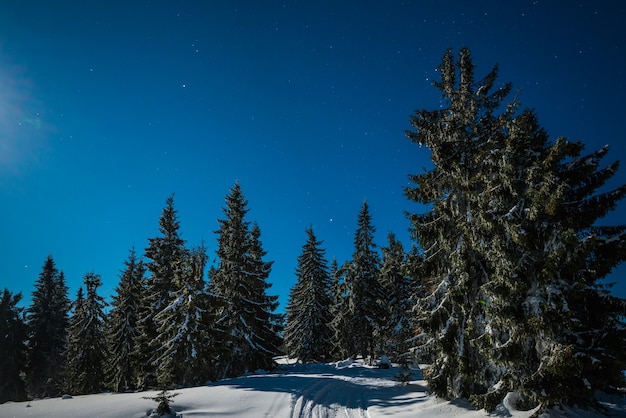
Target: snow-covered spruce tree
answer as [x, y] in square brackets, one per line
[13, 335]
[186, 327]
[270, 324]
[163, 253]
[245, 311]
[555, 331]
[86, 341]
[308, 336]
[534, 318]
[398, 287]
[597, 327]
[452, 317]
[73, 346]
[363, 290]
[47, 319]
[122, 326]
[341, 332]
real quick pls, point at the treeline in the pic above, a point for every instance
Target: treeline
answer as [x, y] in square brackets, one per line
[502, 292]
[168, 327]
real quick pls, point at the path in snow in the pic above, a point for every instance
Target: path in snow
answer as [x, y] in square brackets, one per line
[345, 390]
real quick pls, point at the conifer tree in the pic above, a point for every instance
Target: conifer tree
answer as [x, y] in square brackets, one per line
[185, 326]
[86, 354]
[164, 254]
[451, 316]
[339, 325]
[13, 335]
[240, 283]
[122, 326]
[74, 345]
[513, 253]
[270, 325]
[361, 274]
[398, 287]
[554, 327]
[47, 319]
[308, 336]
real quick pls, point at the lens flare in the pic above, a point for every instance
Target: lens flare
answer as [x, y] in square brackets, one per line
[21, 133]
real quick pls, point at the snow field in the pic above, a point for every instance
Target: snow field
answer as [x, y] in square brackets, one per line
[344, 390]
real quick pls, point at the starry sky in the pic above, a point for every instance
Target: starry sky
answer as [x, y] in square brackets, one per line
[109, 107]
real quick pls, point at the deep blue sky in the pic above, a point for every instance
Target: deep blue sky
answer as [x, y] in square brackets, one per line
[106, 108]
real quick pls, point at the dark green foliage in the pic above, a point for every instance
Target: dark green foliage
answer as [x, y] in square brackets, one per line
[270, 325]
[359, 312]
[122, 326]
[47, 319]
[164, 266]
[86, 348]
[308, 336]
[185, 326]
[163, 252]
[398, 288]
[513, 252]
[452, 316]
[13, 335]
[339, 326]
[561, 333]
[240, 283]
[405, 374]
[164, 401]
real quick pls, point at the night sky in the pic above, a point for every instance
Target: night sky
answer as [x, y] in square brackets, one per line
[107, 108]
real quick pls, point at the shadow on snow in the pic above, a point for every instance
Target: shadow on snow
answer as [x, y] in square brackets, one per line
[330, 386]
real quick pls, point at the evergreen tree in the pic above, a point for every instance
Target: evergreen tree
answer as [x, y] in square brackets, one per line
[147, 331]
[554, 328]
[269, 325]
[451, 316]
[364, 292]
[512, 252]
[164, 254]
[13, 335]
[342, 331]
[122, 326]
[185, 326]
[86, 354]
[308, 336]
[239, 281]
[398, 287]
[74, 345]
[47, 319]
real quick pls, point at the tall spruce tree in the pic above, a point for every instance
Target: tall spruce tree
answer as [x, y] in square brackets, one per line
[270, 325]
[240, 283]
[186, 327]
[13, 335]
[398, 286]
[363, 310]
[87, 350]
[47, 319]
[339, 325]
[122, 326]
[164, 254]
[512, 253]
[451, 315]
[553, 327]
[308, 336]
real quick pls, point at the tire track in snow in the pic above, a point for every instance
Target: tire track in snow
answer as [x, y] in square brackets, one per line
[356, 405]
[332, 397]
[302, 401]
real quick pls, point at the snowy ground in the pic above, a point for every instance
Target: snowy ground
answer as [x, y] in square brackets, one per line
[345, 389]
